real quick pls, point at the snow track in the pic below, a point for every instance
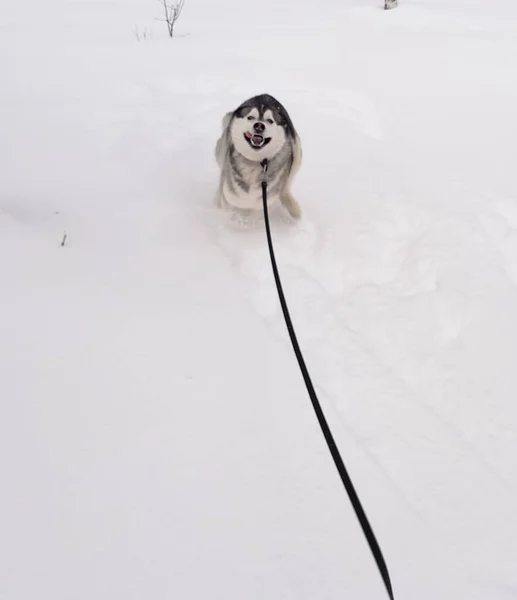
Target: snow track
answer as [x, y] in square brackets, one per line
[350, 342]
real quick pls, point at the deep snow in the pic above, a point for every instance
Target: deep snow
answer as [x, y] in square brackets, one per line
[156, 439]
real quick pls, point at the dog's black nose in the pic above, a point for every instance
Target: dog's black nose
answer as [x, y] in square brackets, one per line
[259, 127]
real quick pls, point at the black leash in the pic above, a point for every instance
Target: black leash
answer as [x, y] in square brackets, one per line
[338, 461]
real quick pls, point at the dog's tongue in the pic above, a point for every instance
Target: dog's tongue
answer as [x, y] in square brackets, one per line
[257, 139]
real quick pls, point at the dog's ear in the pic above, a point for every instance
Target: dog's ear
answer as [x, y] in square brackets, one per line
[226, 119]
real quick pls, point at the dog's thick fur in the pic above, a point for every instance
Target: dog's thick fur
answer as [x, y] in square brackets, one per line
[260, 128]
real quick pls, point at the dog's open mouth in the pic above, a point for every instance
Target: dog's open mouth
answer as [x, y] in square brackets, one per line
[255, 140]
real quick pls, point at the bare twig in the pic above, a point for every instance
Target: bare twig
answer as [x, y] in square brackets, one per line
[140, 35]
[172, 10]
[390, 4]
[63, 241]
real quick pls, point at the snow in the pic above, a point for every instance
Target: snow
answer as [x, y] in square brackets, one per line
[156, 438]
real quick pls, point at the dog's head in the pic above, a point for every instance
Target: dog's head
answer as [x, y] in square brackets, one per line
[260, 127]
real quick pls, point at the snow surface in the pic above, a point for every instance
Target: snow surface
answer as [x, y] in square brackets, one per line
[156, 438]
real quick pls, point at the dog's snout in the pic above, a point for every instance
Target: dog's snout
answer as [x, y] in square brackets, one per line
[259, 127]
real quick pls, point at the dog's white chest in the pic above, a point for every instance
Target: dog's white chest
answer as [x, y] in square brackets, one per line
[248, 193]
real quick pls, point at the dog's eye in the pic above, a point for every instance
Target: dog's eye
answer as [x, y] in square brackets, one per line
[270, 121]
[250, 118]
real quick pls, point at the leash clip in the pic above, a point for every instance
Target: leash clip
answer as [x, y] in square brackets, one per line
[264, 165]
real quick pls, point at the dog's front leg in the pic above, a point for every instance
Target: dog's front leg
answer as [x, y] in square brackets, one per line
[292, 206]
[219, 198]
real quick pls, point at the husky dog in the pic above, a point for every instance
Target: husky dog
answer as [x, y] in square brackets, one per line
[260, 128]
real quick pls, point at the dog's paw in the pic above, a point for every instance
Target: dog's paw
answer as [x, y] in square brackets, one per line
[293, 208]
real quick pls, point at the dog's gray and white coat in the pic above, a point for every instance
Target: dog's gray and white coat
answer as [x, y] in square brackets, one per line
[260, 128]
